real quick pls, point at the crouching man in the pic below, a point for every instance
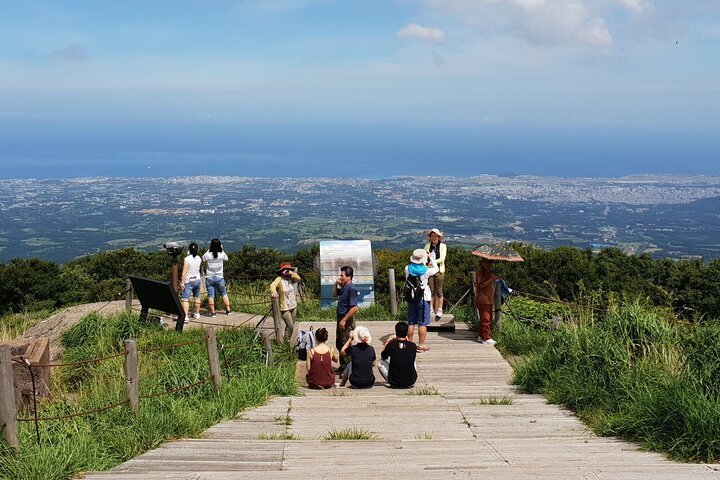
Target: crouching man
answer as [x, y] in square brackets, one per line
[398, 359]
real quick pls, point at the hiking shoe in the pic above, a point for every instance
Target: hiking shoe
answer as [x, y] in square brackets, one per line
[489, 341]
[212, 315]
[196, 315]
[227, 311]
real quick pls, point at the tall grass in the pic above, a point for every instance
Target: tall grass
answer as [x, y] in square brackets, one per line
[635, 372]
[14, 324]
[254, 298]
[103, 440]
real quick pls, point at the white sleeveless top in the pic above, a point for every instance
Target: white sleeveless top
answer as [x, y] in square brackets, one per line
[193, 272]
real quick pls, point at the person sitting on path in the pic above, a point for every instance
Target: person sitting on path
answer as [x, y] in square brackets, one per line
[437, 247]
[398, 359]
[362, 359]
[419, 311]
[346, 309]
[283, 289]
[191, 280]
[319, 362]
[484, 300]
[215, 258]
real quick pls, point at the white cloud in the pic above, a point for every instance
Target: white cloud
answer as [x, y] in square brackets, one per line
[414, 30]
[541, 22]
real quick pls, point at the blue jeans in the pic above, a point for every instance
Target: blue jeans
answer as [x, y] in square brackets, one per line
[419, 313]
[193, 287]
[211, 283]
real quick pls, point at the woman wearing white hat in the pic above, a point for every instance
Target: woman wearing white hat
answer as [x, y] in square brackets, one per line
[435, 246]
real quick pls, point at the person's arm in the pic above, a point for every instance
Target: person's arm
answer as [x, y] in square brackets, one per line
[294, 277]
[374, 364]
[485, 283]
[186, 265]
[334, 355]
[352, 302]
[347, 345]
[385, 354]
[224, 256]
[433, 267]
[274, 287]
[309, 358]
[443, 253]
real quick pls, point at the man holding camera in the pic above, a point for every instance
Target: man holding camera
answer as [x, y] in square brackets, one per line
[283, 289]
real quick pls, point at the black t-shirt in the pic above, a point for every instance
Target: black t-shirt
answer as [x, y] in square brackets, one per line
[402, 354]
[362, 356]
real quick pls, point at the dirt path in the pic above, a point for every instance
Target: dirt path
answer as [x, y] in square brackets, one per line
[54, 326]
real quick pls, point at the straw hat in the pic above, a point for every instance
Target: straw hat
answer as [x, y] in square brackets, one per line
[419, 256]
[284, 266]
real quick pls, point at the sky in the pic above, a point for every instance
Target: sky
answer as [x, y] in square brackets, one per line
[368, 88]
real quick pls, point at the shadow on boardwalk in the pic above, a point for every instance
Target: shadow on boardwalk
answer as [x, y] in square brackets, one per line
[451, 434]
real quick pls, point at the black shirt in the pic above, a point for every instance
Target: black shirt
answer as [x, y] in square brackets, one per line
[362, 356]
[402, 354]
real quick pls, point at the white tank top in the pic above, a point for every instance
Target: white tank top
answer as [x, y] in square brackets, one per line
[193, 272]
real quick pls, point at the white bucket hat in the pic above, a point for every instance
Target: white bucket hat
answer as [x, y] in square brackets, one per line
[436, 232]
[362, 334]
[419, 256]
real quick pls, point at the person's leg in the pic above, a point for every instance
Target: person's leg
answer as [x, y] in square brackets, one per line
[422, 334]
[485, 321]
[412, 319]
[210, 286]
[345, 374]
[287, 317]
[185, 301]
[384, 369]
[431, 284]
[196, 296]
[438, 296]
[341, 336]
[222, 291]
[423, 324]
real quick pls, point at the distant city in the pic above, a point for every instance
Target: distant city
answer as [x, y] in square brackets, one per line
[666, 216]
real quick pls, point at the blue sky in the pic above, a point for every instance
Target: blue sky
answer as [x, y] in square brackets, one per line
[580, 87]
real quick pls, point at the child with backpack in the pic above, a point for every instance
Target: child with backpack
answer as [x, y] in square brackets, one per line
[417, 294]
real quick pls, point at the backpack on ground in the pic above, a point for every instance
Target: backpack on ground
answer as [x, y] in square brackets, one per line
[414, 290]
[305, 343]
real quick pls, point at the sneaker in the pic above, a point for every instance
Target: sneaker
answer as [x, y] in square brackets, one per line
[489, 341]
[227, 311]
[196, 315]
[432, 313]
[439, 312]
[212, 315]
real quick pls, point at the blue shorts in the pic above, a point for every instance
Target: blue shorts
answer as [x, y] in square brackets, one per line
[419, 313]
[193, 287]
[211, 283]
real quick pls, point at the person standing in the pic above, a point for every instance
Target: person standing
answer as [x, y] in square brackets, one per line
[346, 309]
[398, 359]
[215, 258]
[283, 288]
[485, 299]
[191, 280]
[417, 273]
[436, 246]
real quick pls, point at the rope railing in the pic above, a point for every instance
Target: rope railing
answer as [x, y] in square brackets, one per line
[73, 415]
[73, 364]
[175, 390]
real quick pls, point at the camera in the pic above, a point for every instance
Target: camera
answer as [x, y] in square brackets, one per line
[173, 248]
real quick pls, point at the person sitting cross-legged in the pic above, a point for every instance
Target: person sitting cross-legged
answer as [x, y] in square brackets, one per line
[362, 359]
[398, 359]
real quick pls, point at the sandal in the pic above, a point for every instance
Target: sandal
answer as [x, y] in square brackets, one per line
[422, 348]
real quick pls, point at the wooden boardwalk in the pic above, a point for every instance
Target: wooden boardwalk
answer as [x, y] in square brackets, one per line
[447, 435]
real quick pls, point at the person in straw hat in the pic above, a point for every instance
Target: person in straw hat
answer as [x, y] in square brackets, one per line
[437, 247]
[283, 289]
[419, 312]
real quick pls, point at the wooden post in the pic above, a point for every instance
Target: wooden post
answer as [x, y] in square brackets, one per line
[267, 344]
[213, 357]
[8, 421]
[132, 378]
[277, 319]
[497, 309]
[473, 279]
[128, 295]
[393, 292]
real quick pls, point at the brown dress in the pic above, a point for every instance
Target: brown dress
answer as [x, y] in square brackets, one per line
[321, 374]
